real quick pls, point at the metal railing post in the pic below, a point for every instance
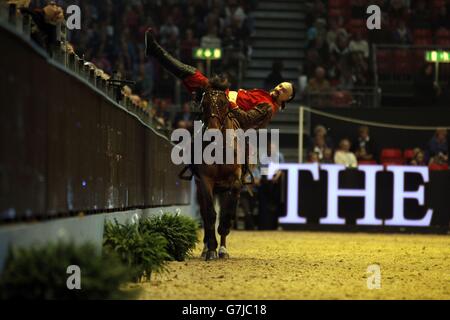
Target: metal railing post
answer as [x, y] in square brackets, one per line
[300, 133]
[12, 9]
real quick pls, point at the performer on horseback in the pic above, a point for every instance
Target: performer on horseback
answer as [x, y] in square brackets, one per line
[252, 108]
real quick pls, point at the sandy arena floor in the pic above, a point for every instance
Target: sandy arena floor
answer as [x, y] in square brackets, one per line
[307, 265]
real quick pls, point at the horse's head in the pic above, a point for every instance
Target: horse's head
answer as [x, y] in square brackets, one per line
[215, 102]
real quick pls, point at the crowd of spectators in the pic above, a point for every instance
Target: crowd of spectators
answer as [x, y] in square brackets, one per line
[363, 149]
[339, 48]
[112, 38]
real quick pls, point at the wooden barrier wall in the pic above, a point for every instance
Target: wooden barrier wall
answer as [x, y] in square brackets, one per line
[65, 147]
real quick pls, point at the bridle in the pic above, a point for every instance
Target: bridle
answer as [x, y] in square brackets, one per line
[214, 108]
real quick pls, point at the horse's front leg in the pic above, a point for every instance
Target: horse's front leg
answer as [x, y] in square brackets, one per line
[229, 203]
[205, 199]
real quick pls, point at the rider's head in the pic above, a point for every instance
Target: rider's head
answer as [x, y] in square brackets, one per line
[283, 93]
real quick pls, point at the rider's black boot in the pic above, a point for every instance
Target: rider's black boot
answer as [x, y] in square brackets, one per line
[174, 66]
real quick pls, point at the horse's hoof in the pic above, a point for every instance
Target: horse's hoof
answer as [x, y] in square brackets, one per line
[223, 254]
[203, 255]
[211, 255]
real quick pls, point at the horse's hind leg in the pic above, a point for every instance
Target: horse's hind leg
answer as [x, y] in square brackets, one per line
[205, 197]
[202, 213]
[229, 202]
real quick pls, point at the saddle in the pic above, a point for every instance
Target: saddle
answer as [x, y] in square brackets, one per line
[246, 172]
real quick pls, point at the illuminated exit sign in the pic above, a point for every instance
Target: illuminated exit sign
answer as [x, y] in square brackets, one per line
[438, 56]
[207, 53]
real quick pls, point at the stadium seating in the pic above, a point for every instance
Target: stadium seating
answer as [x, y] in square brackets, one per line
[403, 62]
[384, 61]
[408, 154]
[367, 162]
[392, 156]
[438, 167]
[357, 25]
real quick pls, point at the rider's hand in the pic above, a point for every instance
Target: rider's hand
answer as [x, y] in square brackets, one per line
[233, 106]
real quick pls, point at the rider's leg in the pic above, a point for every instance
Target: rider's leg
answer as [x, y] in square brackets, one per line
[176, 67]
[192, 78]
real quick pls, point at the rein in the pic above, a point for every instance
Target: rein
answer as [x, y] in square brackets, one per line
[214, 107]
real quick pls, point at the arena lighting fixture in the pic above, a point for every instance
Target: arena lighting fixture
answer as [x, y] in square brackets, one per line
[207, 54]
[437, 56]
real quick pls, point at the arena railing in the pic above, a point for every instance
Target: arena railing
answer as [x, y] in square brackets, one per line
[68, 144]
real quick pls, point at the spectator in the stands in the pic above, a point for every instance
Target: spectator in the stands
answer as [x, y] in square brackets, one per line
[319, 146]
[360, 69]
[364, 146]
[426, 90]
[214, 19]
[313, 157]
[275, 76]
[346, 80]
[398, 9]
[334, 69]
[419, 158]
[421, 16]
[144, 83]
[234, 12]
[344, 156]
[319, 83]
[438, 147]
[187, 46]
[313, 60]
[19, 3]
[211, 39]
[317, 30]
[334, 30]
[46, 20]
[162, 112]
[168, 30]
[327, 156]
[359, 45]
[318, 10]
[322, 47]
[340, 48]
[191, 21]
[442, 19]
[232, 48]
[402, 34]
[318, 89]
[184, 118]
[359, 8]
[320, 140]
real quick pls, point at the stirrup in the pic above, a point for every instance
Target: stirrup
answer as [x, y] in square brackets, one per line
[252, 178]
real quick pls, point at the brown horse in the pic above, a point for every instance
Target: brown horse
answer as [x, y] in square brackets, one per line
[221, 179]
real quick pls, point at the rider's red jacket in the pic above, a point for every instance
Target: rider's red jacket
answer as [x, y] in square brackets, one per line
[246, 99]
[253, 108]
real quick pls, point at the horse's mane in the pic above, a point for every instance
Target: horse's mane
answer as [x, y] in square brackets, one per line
[219, 82]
